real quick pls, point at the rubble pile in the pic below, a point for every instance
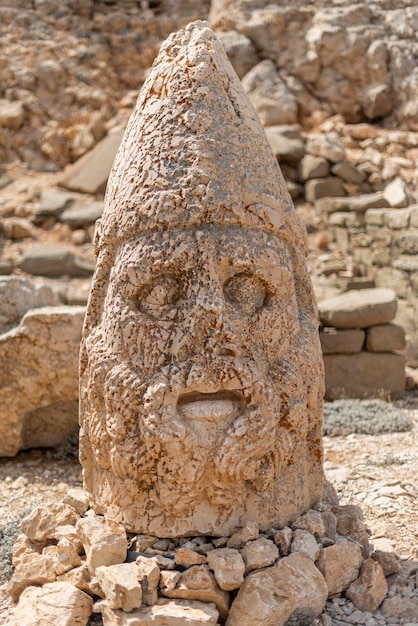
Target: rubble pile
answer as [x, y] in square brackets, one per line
[71, 563]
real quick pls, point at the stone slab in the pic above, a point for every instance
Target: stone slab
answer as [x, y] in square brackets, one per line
[359, 308]
[385, 338]
[164, 613]
[348, 341]
[90, 173]
[364, 375]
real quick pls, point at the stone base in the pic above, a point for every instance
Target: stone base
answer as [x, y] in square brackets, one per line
[69, 561]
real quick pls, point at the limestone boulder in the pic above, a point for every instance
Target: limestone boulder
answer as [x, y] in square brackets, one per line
[286, 143]
[11, 114]
[172, 612]
[313, 167]
[283, 538]
[18, 296]
[57, 603]
[39, 379]
[304, 542]
[359, 309]
[269, 597]
[51, 204]
[364, 375]
[327, 146]
[187, 557]
[316, 188]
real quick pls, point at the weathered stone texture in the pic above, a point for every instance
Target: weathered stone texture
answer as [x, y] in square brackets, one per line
[269, 596]
[39, 379]
[56, 603]
[201, 333]
[364, 375]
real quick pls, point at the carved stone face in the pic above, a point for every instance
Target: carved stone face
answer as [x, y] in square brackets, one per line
[201, 376]
[196, 379]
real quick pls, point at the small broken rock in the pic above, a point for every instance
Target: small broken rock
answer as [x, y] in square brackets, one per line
[247, 533]
[104, 541]
[283, 538]
[370, 589]
[339, 565]
[228, 567]
[305, 543]
[78, 499]
[259, 553]
[120, 586]
[187, 557]
[198, 583]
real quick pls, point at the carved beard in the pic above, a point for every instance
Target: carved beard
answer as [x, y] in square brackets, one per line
[183, 460]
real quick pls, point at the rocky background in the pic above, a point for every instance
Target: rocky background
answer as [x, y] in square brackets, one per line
[335, 84]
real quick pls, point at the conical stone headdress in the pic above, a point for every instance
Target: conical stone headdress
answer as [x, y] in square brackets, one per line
[194, 151]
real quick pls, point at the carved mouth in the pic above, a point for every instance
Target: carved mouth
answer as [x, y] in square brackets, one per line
[211, 407]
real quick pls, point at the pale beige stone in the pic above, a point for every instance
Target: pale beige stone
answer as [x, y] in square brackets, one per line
[359, 308]
[389, 561]
[187, 557]
[364, 375]
[164, 613]
[259, 553]
[80, 578]
[43, 352]
[169, 579]
[283, 538]
[148, 572]
[228, 567]
[42, 522]
[311, 521]
[350, 523]
[339, 565]
[240, 537]
[305, 543]
[269, 596]
[79, 499]
[347, 341]
[120, 586]
[24, 547]
[198, 583]
[35, 569]
[69, 532]
[201, 372]
[370, 589]
[57, 603]
[63, 556]
[104, 541]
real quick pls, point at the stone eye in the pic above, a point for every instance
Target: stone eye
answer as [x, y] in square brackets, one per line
[246, 291]
[159, 296]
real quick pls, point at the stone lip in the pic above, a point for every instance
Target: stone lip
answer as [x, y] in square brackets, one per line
[212, 407]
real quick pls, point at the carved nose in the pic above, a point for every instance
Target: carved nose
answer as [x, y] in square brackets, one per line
[213, 333]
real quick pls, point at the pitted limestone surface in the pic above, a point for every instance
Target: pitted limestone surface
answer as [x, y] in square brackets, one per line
[201, 371]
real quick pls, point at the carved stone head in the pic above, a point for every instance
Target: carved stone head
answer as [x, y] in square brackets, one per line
[201, 371]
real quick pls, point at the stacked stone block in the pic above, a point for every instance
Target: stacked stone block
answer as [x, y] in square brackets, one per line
[361, 345]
